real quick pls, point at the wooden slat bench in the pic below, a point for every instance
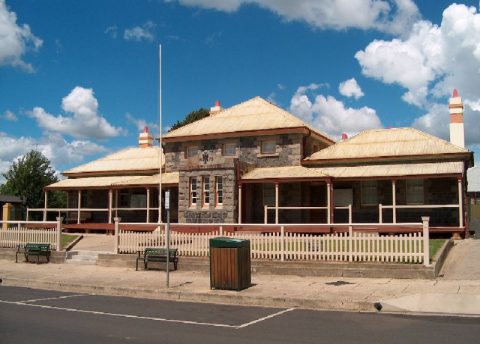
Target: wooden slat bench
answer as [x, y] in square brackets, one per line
[157, 255]
[34, 249]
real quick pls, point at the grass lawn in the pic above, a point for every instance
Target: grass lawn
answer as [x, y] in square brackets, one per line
[435, 245]
[66, 239]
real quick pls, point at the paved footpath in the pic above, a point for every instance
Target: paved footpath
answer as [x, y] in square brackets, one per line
[354, 294]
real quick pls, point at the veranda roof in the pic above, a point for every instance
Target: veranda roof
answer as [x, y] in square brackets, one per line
[255, 114]
[167, 178]
[113, 181]
[365, 171]
[387, 143]
[127, 160]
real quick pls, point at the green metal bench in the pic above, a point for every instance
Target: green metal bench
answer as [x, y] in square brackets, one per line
[34, 249]
[157, 255]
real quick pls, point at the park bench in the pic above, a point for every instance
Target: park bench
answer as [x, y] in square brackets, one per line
[33, 249]
[157, 255]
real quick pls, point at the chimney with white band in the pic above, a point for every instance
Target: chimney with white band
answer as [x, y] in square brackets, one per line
[457, 130]
[145, 139]
[216, 109]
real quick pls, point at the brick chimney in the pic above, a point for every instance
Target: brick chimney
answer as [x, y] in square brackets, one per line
[145, 139]
[457, 130]
[216, 109]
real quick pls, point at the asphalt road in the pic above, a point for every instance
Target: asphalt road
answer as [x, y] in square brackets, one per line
[40, 316]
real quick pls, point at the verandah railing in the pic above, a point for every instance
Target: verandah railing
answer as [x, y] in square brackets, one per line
[13, 233]
[277, 243]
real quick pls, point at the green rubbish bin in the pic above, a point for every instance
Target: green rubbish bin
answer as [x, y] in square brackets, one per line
[230, 265]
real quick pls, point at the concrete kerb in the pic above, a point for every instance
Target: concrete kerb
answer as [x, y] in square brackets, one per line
[218, 296]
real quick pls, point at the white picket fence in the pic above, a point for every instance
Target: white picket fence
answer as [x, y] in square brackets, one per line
[342, 247]
[13, 233]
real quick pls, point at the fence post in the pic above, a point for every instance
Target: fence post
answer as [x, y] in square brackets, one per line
[282, 243]
[426, 240]
[58, 240]
[117, 232]
[350, 243]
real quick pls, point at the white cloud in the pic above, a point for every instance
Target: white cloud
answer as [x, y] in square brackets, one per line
[53, 146]
[392, 16]
[140, 33]
[9, 116]
[437, 122]
[330, 115]
[431, 60]
[85, 120]
[140, 123]
[15, 40]
[112, 31]
[350, 88]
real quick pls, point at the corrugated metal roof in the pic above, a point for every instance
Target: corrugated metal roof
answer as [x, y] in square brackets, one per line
[365, 171]
[10, 199]
[90, 182]
[167, 178]
[128, 159]
[251, 115]
[473, 178]
[98, 182]
[392, 142]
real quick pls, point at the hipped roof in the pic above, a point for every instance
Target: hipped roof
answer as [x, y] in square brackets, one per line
[365, 171]
[256, 114]
[114, 181]
[387, 143]
[128, 160]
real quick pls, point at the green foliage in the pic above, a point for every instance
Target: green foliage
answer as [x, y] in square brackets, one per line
[28, 176]
[191, 117]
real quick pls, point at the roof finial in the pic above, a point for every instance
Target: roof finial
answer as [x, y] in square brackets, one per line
[455, 93]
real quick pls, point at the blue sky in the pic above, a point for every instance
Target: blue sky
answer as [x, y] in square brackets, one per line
[78, 79]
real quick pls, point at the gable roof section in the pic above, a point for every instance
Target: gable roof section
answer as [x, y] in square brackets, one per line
[387, 144]
[255, 114]
[128, 160]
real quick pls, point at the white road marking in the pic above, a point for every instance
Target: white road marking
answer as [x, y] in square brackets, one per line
[265, 318]
[54, 298]
[189, 322]
[118, 315]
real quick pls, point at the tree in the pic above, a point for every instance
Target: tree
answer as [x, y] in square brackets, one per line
[191, 117]
[27, 177]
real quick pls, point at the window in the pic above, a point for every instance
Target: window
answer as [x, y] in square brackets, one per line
[230, 149]
[268, 147]
[193, 191]
[192, 151]
[219, 190]
[206, 190]
[269, 195]
[369, 192]
[415, 193]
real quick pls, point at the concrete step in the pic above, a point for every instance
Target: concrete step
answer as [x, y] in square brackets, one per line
[82, 257]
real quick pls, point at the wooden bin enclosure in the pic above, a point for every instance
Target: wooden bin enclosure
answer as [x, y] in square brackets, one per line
[230, 266]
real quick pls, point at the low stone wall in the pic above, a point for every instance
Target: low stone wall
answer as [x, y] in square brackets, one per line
[9, 254]
[318, 269]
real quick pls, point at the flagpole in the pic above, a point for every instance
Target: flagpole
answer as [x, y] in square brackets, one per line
[160, 159]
